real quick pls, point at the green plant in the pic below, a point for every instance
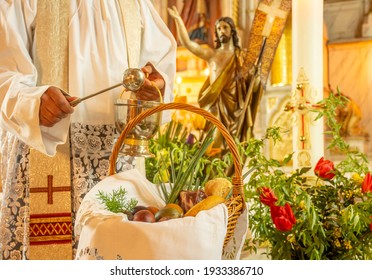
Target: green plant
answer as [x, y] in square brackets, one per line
[297, 214]
[323, 215]
[117, 201]
[181, 161]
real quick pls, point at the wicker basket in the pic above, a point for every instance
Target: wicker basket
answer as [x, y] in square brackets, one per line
[236, 203]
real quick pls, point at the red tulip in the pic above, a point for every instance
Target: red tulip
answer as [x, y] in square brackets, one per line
[367, 183]
[267, 196]
[324, 169]
[283, 217]
[370, 226]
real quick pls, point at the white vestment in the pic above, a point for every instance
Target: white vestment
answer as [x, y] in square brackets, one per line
[97, 59]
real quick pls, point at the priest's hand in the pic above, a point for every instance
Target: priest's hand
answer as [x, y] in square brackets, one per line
[154, 85]
[54, 106]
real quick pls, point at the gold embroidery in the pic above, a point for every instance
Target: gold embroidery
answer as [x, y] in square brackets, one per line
[51, 60]
[52, 42]
[132, 29]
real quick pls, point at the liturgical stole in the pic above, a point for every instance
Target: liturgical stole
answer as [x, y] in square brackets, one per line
[51, 60]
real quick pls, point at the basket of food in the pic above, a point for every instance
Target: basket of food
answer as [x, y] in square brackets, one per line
[216, 233]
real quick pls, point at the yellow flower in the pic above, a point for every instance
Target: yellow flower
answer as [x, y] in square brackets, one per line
[337, 243]
[265, 244]
[180, 99]
[184, 117]
[348, 194]
[164, 175]
[198, 122]
[347, 245]
[291, 238]
[337, 233]
[210, 151]
[357, 179]
[162, 154]
[302, 205]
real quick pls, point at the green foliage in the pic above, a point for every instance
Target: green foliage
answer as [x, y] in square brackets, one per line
[184, 178]
[355, 161]
[181, 161]
[333, 217]
[117, 201]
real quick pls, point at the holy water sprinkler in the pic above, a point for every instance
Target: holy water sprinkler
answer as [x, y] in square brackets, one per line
[133, 79]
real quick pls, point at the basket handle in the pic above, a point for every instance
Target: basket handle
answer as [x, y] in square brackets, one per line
[237, 178]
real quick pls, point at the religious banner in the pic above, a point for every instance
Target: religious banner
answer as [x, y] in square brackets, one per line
[268, 25]
[269, 22]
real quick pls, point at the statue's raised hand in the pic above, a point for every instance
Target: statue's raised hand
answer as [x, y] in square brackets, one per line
[173, 12]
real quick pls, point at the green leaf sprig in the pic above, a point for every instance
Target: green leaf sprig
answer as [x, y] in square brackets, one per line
[117, 201]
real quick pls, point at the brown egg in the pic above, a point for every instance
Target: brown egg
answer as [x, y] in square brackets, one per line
[164, 219]
[175, 206]
[144, 216]
[153, 209]
[170, 213]
[138, 208]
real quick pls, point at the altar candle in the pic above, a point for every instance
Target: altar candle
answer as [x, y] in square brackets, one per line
[307, 53]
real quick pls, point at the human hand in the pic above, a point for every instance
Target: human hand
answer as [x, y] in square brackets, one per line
[173, 12]
[54, 106]
[154, 81]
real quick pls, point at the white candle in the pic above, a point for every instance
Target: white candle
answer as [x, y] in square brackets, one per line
[307, 53]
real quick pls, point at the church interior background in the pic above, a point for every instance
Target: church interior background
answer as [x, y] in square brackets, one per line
[347, 66]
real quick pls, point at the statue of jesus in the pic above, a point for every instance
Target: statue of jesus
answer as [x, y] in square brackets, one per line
[228, 93]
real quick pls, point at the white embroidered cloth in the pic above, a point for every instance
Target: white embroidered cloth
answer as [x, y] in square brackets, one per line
[106, 235]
